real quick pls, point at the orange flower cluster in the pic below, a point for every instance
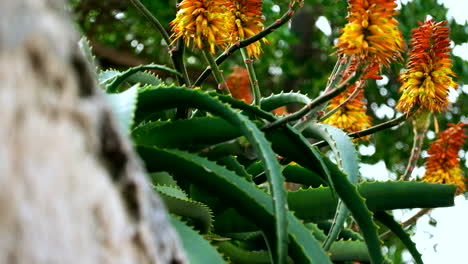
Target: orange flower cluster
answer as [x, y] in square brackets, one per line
[351, 117]
[238, 83]
[429, 75]
[218, 23]
[370, 38]
[203, 22]
[371, 31]
[248, 18]
[443, 164]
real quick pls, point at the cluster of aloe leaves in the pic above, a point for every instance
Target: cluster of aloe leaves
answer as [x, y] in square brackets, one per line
[222, 177]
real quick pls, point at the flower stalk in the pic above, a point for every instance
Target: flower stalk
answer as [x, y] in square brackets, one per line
[217, 74]
[252, 77]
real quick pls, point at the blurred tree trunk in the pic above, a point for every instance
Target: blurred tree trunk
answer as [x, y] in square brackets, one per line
[71, 188]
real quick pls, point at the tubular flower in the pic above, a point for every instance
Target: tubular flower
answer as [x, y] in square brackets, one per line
[239, 84]
[248, 18]
[371, 31]
[351, 117]
[443, 164]
[429, 75]
[204, 22]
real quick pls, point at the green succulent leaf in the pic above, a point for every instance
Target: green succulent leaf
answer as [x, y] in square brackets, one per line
[347, 159]
[397, 229]
[275, 101]
[238, 193]
[349, 251]
[124, 105]
[86, 49]
[240, 255]
[204, 131]
[298, 174]
[106, 76]
[153, 99]
[177, 202]
[113, 84]
[319, 204]
[144, 78]
[198, 250]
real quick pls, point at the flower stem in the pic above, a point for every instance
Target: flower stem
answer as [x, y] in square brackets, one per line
[374, 129]
[176, 53]
[334, 110]
[420, 125]
[252, 76]
[154, 21]
[217, 74]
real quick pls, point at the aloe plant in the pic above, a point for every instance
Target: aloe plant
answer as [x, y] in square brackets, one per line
[228, 169]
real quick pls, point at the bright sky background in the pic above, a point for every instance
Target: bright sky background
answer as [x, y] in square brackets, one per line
[444, 243]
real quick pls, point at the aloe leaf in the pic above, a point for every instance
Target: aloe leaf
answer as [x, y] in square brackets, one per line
[232, 164]
[343, 148]
[86, 49]
[115, 82]
[245, 235]
[173, 134]
[239, 193]
[397, 229]
[274, 101]
[290, 144]
[152, 99]
[301, 175]
[247, 109]
[229, 221]
[106, 76]
[316, 231]
[198, 250]
[177, 202]
[349, 251]
[347, 159]
[319, 204]
[162, 178]
[292, 173]
[144, 78]
[124, 105]
[345, 234]
[238, 255]
[340, 251]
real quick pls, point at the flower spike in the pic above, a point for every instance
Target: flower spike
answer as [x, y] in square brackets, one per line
[371, 31]
[204, 22]
[443, 163]
[248, 21]
[429, 75]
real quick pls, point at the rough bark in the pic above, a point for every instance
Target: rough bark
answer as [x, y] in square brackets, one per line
[71, 188]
